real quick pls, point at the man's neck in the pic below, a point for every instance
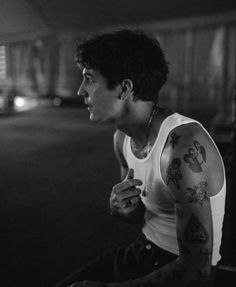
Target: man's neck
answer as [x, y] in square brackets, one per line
[136, 123]
[134, 119]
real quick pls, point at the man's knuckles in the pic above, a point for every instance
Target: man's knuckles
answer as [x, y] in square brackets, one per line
[125, 195]
[133, 182]
[121, 187]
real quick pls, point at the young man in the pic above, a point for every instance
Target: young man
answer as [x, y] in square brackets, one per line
[172, 175]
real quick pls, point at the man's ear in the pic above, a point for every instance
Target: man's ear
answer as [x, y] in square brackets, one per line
[126, 89]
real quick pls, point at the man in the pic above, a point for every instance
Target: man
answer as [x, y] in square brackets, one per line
[172, 175]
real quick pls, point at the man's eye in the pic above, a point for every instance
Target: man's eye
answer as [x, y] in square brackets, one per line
[88, 79]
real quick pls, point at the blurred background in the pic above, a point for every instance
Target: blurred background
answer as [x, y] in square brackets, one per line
[56, 168]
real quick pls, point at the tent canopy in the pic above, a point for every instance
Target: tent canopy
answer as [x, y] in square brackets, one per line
[29, 17]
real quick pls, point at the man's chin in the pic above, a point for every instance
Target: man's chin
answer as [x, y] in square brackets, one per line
[93, 118]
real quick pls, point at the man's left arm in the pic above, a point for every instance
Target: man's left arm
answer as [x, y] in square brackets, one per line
[185, 170]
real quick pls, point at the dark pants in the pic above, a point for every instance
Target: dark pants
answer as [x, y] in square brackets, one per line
[124, 263]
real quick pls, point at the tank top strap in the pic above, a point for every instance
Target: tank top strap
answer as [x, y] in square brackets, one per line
[170, 123]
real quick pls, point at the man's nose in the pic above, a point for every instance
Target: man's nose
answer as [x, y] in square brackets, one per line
[81, 92]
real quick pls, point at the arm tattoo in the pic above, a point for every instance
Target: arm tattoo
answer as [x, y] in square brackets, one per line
[195, 157]
[205, 256]
[174, 139]
[174, 173]
[195, 232]
[179, 213]
[199, 193]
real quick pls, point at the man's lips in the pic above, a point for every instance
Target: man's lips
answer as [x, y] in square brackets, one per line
[89, 107]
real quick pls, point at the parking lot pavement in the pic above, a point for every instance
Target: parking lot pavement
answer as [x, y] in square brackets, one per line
[57, 170]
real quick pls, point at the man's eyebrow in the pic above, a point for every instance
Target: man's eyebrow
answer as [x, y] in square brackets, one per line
[88, 74]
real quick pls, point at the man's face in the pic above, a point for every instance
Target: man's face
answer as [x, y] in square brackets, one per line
[102, 103]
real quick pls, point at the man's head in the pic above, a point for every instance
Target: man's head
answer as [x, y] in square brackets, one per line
[129, 55]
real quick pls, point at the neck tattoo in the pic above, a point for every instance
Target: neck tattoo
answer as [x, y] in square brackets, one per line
[143, 151]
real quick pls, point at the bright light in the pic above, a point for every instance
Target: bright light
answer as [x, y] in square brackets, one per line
[19, 102]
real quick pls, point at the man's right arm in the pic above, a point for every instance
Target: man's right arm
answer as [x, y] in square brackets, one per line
[125, 200]
[118, 140]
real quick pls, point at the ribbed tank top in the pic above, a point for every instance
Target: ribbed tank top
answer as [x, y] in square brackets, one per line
[160, 219]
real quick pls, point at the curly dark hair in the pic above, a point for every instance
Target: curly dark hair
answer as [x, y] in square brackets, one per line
[126, 54]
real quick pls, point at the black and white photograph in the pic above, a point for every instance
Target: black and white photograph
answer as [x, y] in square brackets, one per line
[117, 143]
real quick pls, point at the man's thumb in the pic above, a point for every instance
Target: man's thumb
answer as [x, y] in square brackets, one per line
[130, 174]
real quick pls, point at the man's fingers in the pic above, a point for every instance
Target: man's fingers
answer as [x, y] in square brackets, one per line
[132, 201]
[127, 184]
[126, 202]
[127, 194]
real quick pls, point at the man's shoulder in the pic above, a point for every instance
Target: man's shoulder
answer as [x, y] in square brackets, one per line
[187, 138]
[184, 134]
[189, 128]
[118, 139]
[188, 141]
[119, 136]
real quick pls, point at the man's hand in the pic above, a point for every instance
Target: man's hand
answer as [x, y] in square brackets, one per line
[125, 197]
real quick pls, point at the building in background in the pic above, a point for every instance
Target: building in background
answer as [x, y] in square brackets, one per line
[37, 47]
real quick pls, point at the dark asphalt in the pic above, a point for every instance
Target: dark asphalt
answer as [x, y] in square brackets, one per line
[57, 170]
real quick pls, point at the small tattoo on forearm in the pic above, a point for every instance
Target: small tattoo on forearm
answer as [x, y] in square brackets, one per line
[195, 232]
[199, 193]
[174, 139]
[173, 172]
[195, 157]
[205, 256]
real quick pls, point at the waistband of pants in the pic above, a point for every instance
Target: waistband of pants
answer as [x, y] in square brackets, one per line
[142, 237]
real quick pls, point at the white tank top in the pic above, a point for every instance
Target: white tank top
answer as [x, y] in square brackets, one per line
[160, 225]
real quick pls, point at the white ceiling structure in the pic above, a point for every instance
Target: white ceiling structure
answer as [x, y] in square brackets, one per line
[28, 18]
